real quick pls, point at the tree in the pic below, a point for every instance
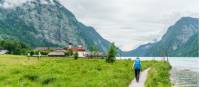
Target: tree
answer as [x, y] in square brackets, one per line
[76, 55]
[70, 52]
[14, 46]
[111, 53]
[31, 53]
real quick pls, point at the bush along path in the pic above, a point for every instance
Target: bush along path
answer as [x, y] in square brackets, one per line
[159, 75]
[143, 77]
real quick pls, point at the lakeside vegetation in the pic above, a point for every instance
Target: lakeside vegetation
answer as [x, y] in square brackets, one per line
[23, 71]
[159, 75]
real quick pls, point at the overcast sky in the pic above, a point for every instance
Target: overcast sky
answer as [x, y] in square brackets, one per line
[128, 23]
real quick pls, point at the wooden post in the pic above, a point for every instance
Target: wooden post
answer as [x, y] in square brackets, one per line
[39, 55]
[28, 55]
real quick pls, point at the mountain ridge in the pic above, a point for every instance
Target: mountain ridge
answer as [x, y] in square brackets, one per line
[47, 23]
[50, 25]
[184, 30]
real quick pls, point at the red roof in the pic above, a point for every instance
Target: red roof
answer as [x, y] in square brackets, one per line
[75, 49]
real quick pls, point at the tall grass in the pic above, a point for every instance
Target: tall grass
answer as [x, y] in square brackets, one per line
[21, 71]
[159, 75]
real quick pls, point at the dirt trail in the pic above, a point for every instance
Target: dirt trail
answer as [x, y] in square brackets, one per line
[143, 77]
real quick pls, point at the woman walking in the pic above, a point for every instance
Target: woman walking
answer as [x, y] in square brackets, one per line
[137, 68]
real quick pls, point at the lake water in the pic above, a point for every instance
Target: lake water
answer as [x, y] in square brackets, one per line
[185, 70]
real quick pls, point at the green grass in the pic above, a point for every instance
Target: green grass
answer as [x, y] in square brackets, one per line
[159, 75]
[18, 71]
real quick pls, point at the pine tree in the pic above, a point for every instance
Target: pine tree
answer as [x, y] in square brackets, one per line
[111, 53]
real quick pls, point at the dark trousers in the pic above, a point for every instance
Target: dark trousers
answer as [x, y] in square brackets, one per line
[137, 74]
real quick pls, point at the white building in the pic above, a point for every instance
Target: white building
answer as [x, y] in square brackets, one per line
[3, 52]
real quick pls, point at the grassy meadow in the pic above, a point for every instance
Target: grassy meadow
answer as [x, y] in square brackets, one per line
[21, 71]
[159, 75]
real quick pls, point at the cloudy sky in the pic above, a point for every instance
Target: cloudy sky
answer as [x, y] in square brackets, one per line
[130, 23]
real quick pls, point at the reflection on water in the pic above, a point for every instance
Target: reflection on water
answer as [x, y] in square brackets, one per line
[184, 71]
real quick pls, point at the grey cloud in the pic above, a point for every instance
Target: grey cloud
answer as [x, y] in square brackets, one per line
[131, 23]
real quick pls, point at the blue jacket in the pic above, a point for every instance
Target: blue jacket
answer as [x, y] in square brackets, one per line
[137, 64]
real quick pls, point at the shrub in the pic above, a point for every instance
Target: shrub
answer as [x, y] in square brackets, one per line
[159, 75]
[111, 54]
[76, 55]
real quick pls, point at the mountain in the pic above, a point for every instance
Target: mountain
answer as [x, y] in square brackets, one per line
[46, 23]
[181, 40]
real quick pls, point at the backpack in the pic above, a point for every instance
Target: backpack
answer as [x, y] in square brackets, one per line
[137, 64]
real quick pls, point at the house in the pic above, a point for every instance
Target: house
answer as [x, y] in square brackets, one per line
[41, 48]
[80, 50]
[88, 54]
[57, 53]
[3, 52]
[96, 54]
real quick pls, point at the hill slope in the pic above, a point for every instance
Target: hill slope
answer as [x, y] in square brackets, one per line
[181, 40]
[46, 23]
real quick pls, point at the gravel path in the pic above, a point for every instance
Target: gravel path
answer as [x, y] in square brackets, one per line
[143, 77]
